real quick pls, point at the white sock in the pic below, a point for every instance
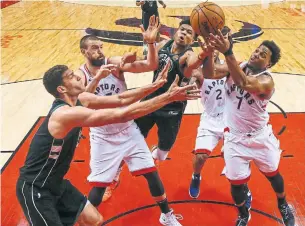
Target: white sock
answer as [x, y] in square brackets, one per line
[159, 154]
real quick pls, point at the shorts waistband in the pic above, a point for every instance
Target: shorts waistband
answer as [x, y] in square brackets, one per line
[249, 134]
[218, 115]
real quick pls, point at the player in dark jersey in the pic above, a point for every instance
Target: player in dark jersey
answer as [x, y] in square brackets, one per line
[183, 63]
[149, 8]
[45, 196]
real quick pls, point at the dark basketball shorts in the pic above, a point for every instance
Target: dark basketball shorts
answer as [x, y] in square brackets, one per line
[168, 123]
[42, 207]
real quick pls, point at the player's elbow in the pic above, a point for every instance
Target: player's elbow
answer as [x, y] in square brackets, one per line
[153, 65]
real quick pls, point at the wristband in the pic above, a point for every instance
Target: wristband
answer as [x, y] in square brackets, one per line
[229, 52]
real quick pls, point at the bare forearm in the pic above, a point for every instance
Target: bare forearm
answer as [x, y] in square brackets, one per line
[140, 109]
[152, 56]
[208, 67]
[134, 95]
[236, 72]
[91, 87]
[197, 78]
[192, 63]
[150, 64]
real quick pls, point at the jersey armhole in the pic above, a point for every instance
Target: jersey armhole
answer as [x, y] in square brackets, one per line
[58, 106]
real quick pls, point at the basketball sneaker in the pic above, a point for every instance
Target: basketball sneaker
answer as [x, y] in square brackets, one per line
[109, 190]
[243, 220]
[287, 214]
[194, 190]
[156, 161]
[170, 219]
[223, 172]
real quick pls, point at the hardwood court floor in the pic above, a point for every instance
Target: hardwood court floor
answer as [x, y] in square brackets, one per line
[38, 34]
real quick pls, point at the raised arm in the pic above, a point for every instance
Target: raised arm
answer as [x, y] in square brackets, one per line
[197, 78]
[66, 118]
[191, 61]
[152, 62]
[212, 70]
[261, 85]
[125, 98]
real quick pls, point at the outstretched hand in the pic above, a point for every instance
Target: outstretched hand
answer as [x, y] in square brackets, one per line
[177, 93]
[220, 43]
[106, 70]
[150, 35]
[162, 76]
[205, 46]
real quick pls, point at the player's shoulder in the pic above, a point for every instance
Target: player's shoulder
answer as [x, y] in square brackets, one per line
[265, 77]
[161, 44]
[79, 72]
[266, 80]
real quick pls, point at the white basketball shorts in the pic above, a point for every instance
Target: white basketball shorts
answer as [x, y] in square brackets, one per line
[109, 151]
[261, 147]
[209, 133]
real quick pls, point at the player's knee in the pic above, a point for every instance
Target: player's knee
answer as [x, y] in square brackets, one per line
[99, 220]
[201, 158]
[238, 193]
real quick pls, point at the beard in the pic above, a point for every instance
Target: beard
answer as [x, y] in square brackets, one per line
[97, 62]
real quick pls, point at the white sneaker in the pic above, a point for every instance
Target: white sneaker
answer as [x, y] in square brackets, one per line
[223, 172]
[170, 219]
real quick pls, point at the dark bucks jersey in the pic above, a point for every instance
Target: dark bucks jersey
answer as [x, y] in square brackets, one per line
[49, 159]
[174, 69]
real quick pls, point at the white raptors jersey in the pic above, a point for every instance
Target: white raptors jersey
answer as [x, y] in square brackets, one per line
[213, 96]
[244, 112]
[108, 86]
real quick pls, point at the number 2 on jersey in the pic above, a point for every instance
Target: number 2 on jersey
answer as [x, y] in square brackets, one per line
[219, 94]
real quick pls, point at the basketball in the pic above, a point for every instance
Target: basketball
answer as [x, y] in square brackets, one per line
[207, 17]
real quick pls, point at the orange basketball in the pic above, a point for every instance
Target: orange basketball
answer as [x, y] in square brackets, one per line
[207, 17]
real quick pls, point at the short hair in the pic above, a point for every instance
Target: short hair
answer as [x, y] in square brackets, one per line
[188, 22]
[54, 78]
[83, 41]
[275, 50]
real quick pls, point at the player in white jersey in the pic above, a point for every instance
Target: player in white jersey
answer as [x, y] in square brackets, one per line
[210, 129]
[95, 58]
[247, 136]
[112, 144]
